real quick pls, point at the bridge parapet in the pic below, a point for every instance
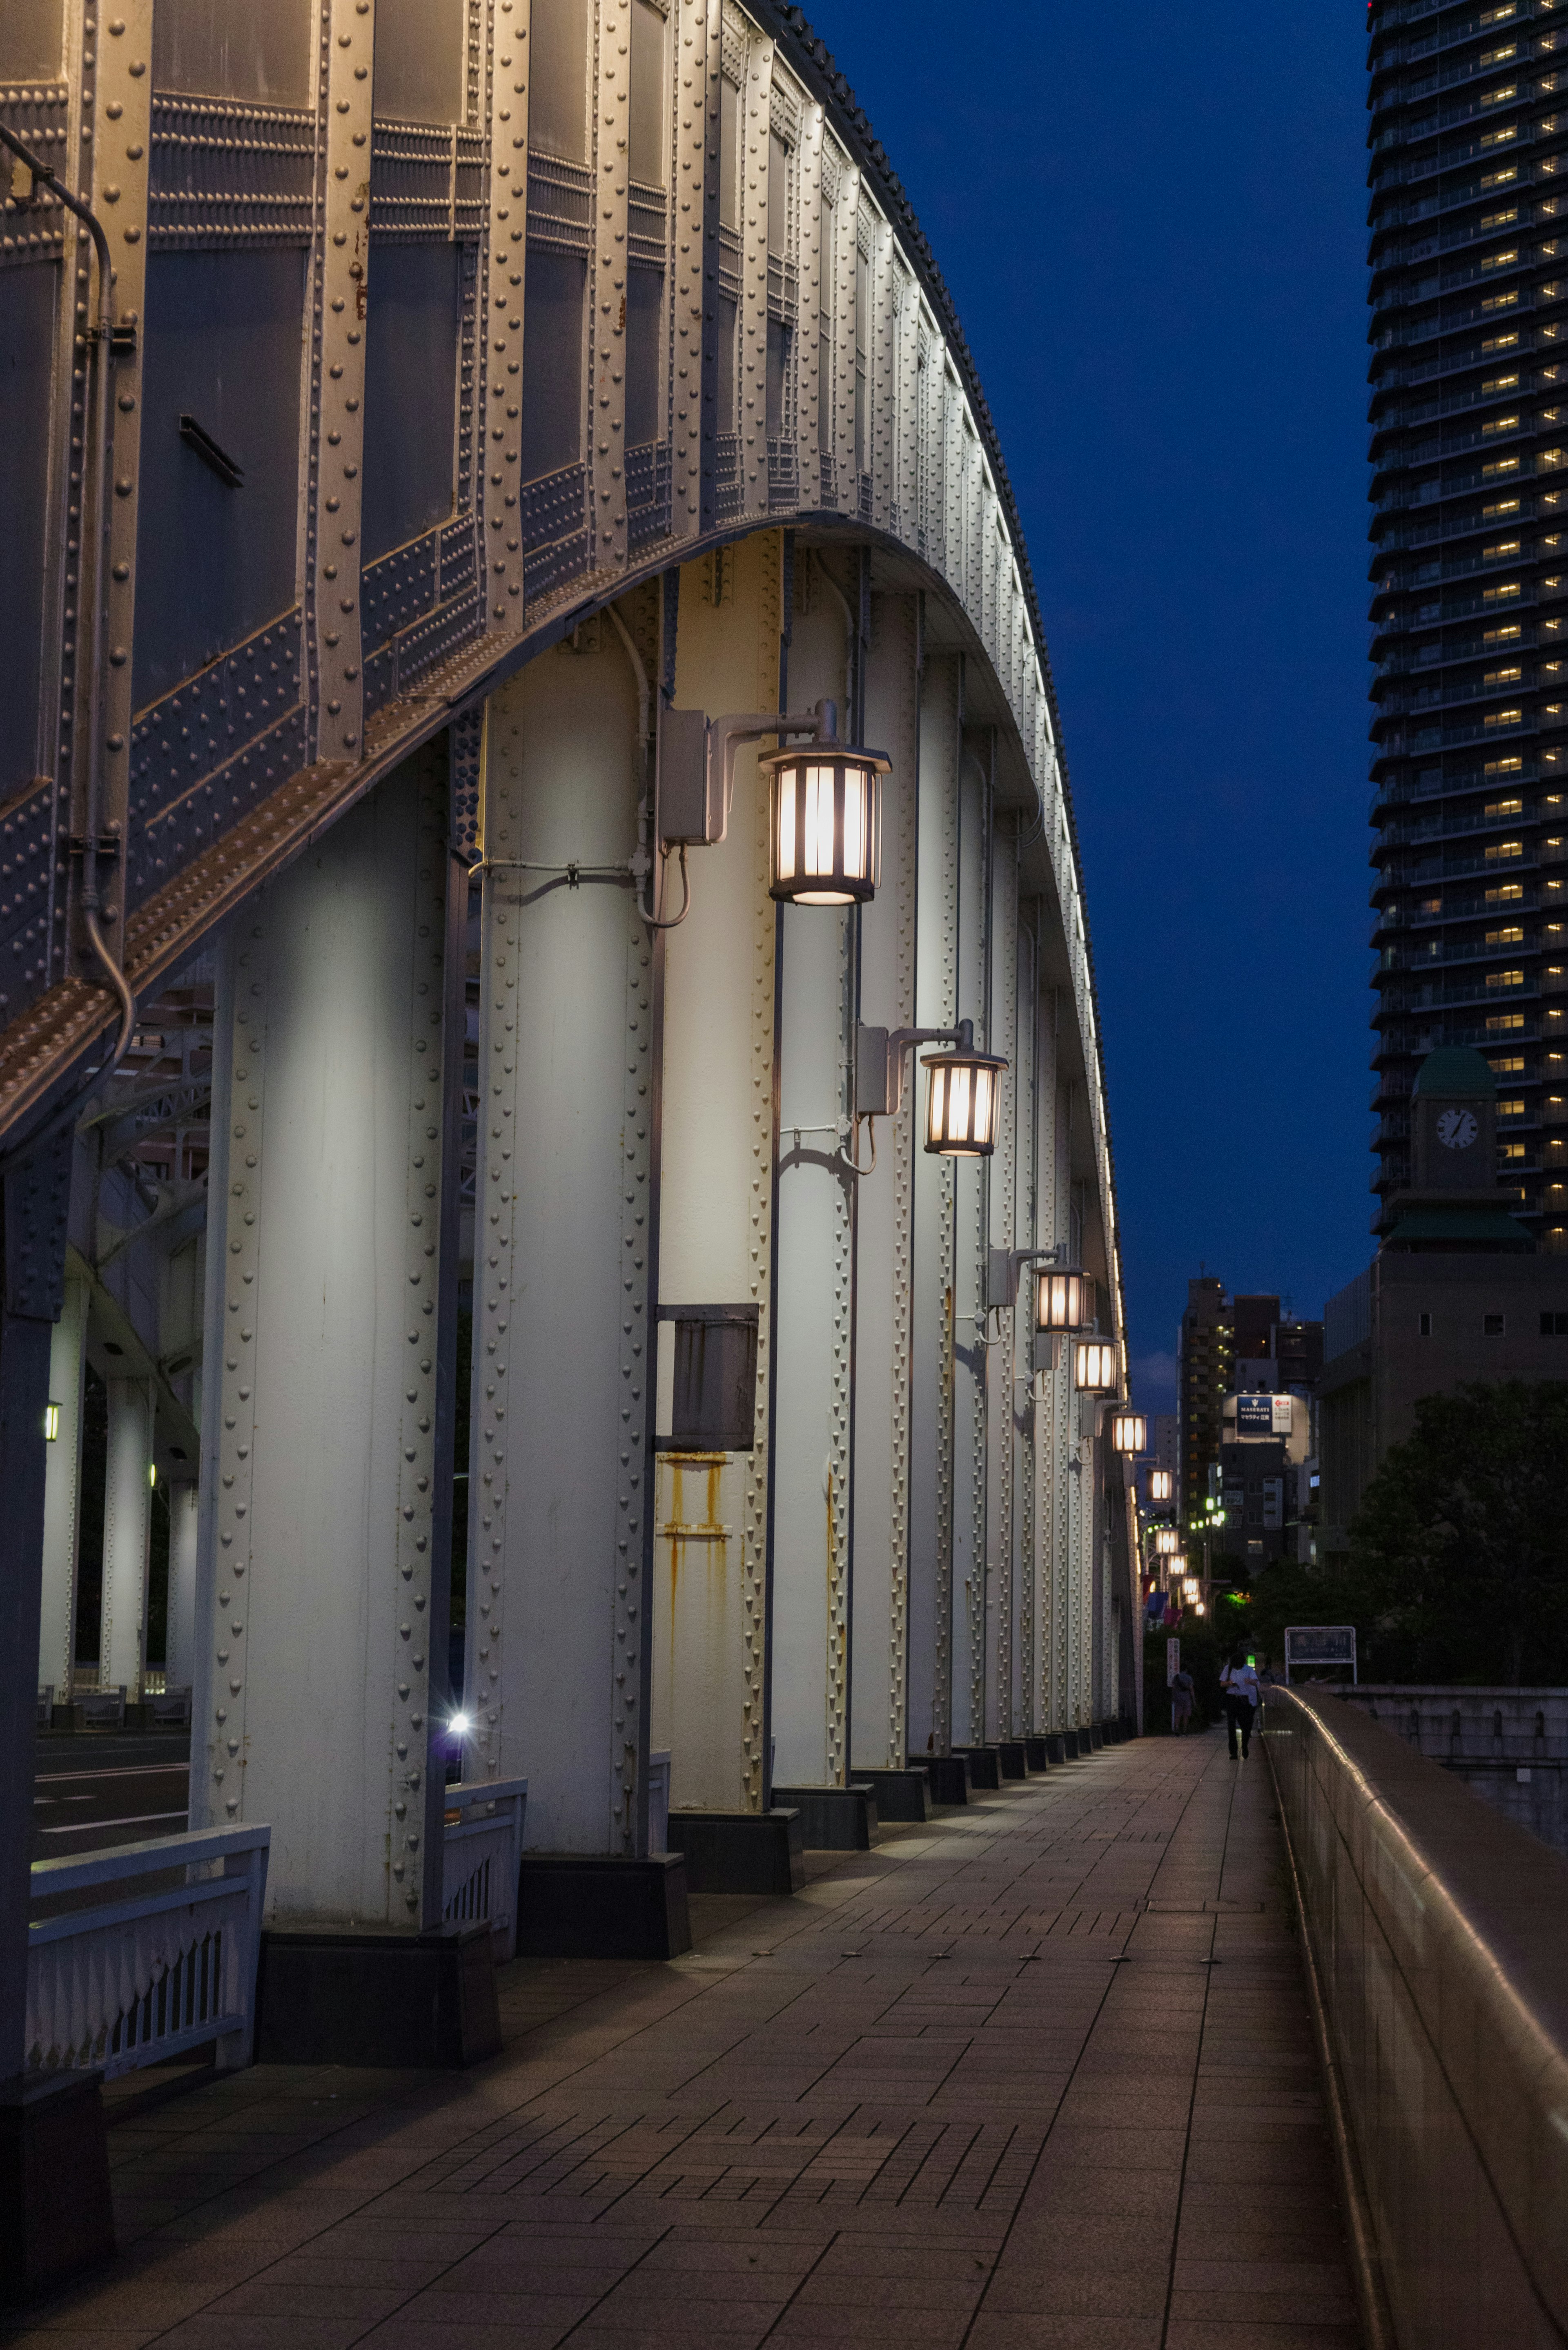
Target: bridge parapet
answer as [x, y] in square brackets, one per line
[1438, 1931]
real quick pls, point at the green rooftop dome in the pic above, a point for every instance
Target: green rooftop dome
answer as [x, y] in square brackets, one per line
[1455, 1069]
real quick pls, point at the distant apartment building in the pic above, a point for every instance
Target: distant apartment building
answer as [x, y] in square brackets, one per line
[1469, 422]
[1232, 1345]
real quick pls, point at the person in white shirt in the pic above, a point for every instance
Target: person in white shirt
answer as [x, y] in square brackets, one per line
[1239, 1684]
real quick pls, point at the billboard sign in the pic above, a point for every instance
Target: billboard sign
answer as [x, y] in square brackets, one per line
[1285, 1414]
[1329, 1647]
[1255, 1415]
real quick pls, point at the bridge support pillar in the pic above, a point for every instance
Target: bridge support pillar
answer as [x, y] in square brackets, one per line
[324, 1570]
[711, 1595]
[885, 1204]
[817, 1209]
[935, 1272]
[127, 1534]
[56, 2217]
[62, 1490]
[185, 1522]
[565, 1257]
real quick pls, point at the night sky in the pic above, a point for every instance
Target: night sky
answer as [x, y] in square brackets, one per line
[1153, 224]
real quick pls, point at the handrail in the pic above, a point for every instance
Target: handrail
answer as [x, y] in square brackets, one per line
[187, 1847]
[1437, 1928]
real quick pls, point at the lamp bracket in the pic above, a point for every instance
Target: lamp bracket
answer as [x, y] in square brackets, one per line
[1003, 1268]
[697, 764]
[879, 1062]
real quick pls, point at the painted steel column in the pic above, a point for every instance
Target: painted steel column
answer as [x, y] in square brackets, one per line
[884, 1235]
[34, 1200]
[184, 1519]
[316, 1601]
[1003, 1222]
[127, 1533]
[931, 1433]
[62, 1488]
[560, 1459]
[717, 1143]
[817, 1211]
[973, 1633]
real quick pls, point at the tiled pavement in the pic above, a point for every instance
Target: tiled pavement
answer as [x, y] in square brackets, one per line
[1037, 2077]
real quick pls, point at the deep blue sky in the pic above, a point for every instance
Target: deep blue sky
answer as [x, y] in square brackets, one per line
[1152, 222]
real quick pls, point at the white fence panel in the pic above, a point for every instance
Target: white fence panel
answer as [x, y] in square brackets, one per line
[485, 1856]
[143, 1977]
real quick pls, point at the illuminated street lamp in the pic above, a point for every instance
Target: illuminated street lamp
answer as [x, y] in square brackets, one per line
[51, 1422]
[825, 818]
[1129, 1431]
[1063, 1302]
[1160, 1482]
[1166, 1541]
[963, 1101]
[965, 1096]
[1096, 1369]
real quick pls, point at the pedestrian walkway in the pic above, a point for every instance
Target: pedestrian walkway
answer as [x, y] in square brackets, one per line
[1038, 2077]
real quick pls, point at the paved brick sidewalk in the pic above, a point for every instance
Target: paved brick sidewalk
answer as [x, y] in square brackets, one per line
[1037, 2077]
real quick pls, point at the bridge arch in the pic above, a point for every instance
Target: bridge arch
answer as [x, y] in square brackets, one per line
[488, 379]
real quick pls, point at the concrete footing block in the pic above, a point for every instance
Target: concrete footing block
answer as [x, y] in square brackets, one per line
[1037, 1753]
[1011, 1755]
[901, 1795]
[834, 1819]
[573, 1905]
[1070, 1746]
[57, 2221]
[330, 1997]
[741, 1852]
[1094, 1737]
[949, 1776]
[984, 1765]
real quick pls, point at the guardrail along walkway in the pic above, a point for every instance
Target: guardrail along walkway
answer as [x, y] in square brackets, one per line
[1040, 2074]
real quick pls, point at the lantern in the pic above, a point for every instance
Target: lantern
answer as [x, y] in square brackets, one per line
[1096, 1370]
[962, 1105]
[1160, 1482]
[1129, 1431]
[1166, 1542]
[1064, 1301]
[824, 822]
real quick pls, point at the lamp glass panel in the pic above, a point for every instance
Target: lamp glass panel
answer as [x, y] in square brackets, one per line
[1159, 1485]
[784, 845]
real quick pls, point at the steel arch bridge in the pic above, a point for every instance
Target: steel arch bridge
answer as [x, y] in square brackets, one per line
[476, 383]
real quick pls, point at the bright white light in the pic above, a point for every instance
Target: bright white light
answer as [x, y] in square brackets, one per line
[460, 1725]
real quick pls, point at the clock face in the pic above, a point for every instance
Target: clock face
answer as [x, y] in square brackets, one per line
[1457, 1129]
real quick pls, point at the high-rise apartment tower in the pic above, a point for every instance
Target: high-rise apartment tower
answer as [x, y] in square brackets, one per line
[1468, 418]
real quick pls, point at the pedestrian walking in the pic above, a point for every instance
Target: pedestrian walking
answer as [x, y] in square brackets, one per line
[1181, 1702]
[1239, 1686]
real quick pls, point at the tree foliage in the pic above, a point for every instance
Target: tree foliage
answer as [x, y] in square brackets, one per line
[1459, 1558]
[1459, 1553]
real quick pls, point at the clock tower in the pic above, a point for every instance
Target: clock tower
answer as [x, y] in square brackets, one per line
[1453, 1123]
[1454, 1202]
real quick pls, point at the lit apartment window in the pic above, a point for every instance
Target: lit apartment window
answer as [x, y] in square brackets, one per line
[1506, 894]
[1513, 1108]
[1505, 808]
[1509, 1153]
[1509, 1065]
[1512, 937]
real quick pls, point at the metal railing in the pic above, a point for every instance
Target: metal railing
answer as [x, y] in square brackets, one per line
[483, 1857]
[166, 1965]
[1436, 1930]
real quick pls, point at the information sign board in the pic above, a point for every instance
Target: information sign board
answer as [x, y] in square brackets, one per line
[1319, 1645]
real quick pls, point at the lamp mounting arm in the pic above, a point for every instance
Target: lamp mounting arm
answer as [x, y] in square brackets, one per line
[1003, 1265]
[879, 1062]
[725, 737]
[697, 764]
